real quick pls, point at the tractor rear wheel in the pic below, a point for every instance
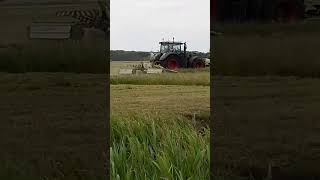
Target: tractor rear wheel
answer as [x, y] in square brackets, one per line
[198, 63]
[171, 62]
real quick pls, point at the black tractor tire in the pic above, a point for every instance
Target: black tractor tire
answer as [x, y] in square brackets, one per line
[198, 63]
[171, 62]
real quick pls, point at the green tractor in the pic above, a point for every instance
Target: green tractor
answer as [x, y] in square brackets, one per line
[174, 55]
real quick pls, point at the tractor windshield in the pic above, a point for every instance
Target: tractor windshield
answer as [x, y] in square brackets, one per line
[176, 47]
[164, 48]
[170, 47]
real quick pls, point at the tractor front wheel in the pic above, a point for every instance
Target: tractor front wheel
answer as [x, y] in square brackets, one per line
[172, 62]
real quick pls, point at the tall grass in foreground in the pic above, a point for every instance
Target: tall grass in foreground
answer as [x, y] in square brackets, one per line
[149, 147]
[187, 77]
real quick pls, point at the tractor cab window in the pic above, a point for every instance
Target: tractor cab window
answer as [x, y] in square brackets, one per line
[176, 47]
[170, 48]
[164, 48]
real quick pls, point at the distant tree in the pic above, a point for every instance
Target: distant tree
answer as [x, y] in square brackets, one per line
[120, 55]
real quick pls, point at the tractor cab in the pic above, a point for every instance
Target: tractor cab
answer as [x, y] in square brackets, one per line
[171, 46]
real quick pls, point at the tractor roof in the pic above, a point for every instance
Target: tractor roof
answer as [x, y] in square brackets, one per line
[170, 42]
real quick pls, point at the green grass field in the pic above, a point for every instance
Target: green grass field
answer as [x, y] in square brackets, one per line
[153, 134]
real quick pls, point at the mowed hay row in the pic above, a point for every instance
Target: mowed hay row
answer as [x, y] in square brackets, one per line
[167, 100]
[198, 79]
[115, 66]
[154, 148]
[284, 55]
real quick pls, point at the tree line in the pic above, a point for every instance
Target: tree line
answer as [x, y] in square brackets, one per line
[121, 55]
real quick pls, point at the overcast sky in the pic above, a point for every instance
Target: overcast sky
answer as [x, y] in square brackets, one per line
[140, 24]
